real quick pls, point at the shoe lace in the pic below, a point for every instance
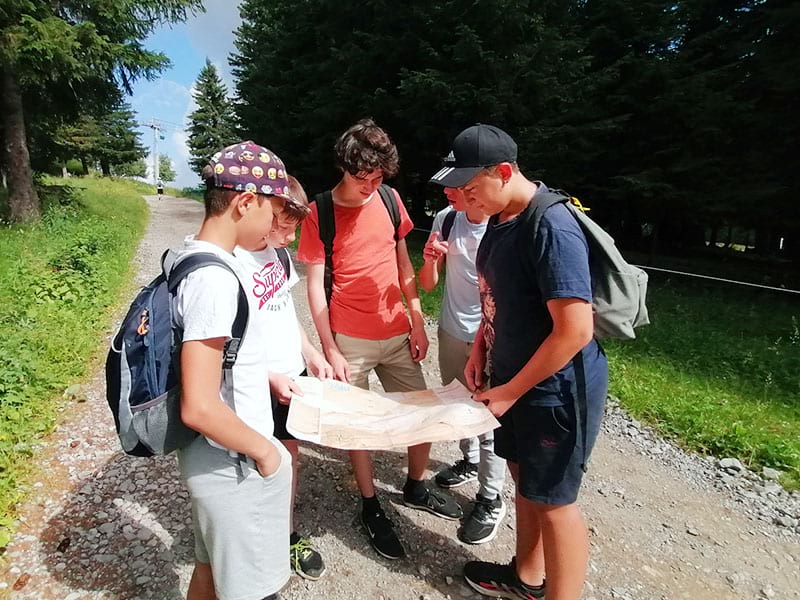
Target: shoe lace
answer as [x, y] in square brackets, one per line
[301, 549]
[482, 510]
[437, 497]
[463, 467]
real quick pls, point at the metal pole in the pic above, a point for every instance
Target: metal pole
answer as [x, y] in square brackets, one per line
[155, 152]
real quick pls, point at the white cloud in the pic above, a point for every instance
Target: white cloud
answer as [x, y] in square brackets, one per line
[211, 33]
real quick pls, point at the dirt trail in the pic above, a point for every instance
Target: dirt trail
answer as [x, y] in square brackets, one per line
[99, 525]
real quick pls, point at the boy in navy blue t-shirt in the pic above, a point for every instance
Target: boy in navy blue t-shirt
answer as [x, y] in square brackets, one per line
[547, 371]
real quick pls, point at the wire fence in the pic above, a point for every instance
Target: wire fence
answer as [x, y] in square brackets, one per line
[696, 275]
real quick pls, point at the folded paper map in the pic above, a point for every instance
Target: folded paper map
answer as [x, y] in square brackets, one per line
[336, 414]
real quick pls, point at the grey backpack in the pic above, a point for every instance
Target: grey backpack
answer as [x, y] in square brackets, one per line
[619, 289]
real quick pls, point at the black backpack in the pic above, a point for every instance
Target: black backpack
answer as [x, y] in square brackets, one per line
[143, 364]
[327, 226]
[447, 224]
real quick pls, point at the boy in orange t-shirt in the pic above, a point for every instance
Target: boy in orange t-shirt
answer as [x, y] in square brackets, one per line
[365, 326]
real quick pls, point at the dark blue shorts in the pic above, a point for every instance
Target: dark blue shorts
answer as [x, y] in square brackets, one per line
[549, 446]
[280, 414]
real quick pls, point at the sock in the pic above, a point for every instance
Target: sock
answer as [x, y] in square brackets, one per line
[415, 488]
[370, 505]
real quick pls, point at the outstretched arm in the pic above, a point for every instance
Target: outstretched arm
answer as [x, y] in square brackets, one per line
[433, 254]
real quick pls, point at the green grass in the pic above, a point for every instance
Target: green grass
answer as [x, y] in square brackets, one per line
[431, 301]
[717, 370]
[60, 279]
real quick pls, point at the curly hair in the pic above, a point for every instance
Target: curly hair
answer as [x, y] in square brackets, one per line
[364, 148]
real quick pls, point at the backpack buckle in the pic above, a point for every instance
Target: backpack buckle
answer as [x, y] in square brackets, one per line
[230, 352]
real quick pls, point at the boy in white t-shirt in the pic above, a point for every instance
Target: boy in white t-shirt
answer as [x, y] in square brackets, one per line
[460, 316]
[238, 476]
[271, 284]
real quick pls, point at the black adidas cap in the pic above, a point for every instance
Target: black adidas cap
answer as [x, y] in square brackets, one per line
[474, 149]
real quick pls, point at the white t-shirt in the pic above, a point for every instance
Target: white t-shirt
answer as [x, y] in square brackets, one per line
[205, 307]
[268, 284]
[460, 315]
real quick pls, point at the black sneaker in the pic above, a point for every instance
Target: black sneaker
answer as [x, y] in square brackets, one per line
[457, 475]
[483, 522]
[381, 534]
[437, 503]
[499, 581]
[305, 561]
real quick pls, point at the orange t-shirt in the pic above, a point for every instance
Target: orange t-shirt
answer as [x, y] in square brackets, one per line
[366, 301]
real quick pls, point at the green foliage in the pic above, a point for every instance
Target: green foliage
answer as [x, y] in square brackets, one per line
[74, 166]
[60, 58]
[137, 168]
[109, 139]
[212, 126]
[59, 279]
[166, 172]
[654, 109]
[717, 370]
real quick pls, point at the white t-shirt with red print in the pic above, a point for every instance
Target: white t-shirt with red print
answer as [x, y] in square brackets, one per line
[271, 289]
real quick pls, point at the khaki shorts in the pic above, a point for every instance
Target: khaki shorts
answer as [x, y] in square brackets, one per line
[391, 359]
[453, 356]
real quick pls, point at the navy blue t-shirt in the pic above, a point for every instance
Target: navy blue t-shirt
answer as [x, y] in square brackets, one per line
[516, 280]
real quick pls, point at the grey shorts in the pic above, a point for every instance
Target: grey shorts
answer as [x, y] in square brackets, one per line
[240, 528]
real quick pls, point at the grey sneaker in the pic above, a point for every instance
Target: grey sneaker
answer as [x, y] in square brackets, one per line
[457, 474]
[483, 522]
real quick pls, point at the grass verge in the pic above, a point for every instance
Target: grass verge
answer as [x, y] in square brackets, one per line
[60, 280]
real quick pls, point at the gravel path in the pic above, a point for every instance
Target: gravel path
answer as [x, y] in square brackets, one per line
[664, 524]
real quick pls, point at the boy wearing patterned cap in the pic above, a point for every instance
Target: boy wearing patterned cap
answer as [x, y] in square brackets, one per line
[238, 475]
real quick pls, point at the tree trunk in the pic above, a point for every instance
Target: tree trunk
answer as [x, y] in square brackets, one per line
[105, 168]
[23, 201]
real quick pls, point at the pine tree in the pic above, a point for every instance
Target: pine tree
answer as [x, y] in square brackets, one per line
[69, 46]
[213, 124]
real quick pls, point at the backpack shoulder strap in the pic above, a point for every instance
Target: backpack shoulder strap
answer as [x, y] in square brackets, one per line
[283, 256]
[203, 259]
[390, 202]
[447, 224]
[327, 224]
[327, 231]
[543, 201]
[530, 220]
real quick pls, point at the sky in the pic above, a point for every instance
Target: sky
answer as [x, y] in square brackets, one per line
[168, 99]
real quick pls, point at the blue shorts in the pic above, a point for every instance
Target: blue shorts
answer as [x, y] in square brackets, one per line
[550, 444]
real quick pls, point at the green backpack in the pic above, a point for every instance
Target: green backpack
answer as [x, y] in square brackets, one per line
[619, 289]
